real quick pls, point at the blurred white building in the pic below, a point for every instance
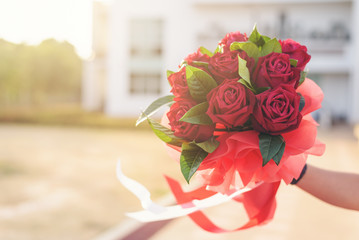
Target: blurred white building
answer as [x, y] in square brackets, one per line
[136, 41]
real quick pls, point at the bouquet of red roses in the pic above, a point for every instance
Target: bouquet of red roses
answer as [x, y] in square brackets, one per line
[240, 116]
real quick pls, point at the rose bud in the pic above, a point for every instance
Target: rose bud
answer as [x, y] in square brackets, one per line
[192, 58]
[230, 38]
[178, 82]
[274, 69]
[186, 130]
[230, 103]
[225, 65]
[196, 56]
[277, 111]
[296, 51]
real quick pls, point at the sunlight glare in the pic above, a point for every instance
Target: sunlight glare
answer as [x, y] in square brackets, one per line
[33, 21]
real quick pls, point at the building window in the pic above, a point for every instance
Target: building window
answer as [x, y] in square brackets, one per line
[145, 56]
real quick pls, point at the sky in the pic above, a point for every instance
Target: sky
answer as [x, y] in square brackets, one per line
[32, 21]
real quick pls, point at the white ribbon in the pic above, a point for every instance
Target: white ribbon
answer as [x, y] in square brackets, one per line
[154, 212]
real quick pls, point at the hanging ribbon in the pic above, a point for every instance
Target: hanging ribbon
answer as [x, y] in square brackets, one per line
[259, 203]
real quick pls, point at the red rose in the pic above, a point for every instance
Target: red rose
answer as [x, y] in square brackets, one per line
[296, 51]
[277, 110]
[274, 69]
[178, 82]
[225, 65]
[196, 56]
[185, 130]
[232, 37]
[230, 103]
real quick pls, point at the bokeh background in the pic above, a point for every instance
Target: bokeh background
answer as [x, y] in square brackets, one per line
[74, 76]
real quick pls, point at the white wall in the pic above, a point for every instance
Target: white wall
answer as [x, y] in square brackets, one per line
[190, 24]
[354, 83]
[178, 41]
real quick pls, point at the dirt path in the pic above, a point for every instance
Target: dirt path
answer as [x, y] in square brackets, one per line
[299, 216]
[60, 183]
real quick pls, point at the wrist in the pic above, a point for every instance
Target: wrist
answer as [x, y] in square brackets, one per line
[295, 181]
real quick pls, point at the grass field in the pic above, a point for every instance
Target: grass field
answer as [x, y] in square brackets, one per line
[64, 115]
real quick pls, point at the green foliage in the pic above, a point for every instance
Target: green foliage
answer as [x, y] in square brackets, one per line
[243, 70]
[293, 62]
[256, 37]
[154, 107]
[39, 75]
[210, 145]
[169, 72]
[191, 157]
[197, 115]
[271, 46]
[199, 83]
[219, 49]
[200, 64]
[206, 51]
[165, 134]
[303, 75]
[248, 85]
[301, 103]
[271, 147]
[65, 115]
[250, 48]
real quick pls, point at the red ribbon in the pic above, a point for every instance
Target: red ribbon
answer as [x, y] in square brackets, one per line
[259, 203]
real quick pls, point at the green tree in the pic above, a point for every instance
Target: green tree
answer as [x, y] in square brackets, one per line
[46, 74]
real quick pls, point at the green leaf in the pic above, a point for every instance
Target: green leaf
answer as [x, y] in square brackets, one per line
[200, 64]
[235, 46]
[303, 75]
[293, 62]
[250, 48]
[301, 103]
[247, 85]
[169, 72]
[209, 146]
[205, 51]
[243, 70]
[271, 46]
[265, 38]
[219, 49]
[261, 89]
[191, 158]
[197, 115]
[256, 37]
[199, 83]
[279, 154]
[165, 134]
[271, 146]
[154, 107]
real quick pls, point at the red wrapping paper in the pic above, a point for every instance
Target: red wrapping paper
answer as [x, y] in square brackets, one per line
[237, 162]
